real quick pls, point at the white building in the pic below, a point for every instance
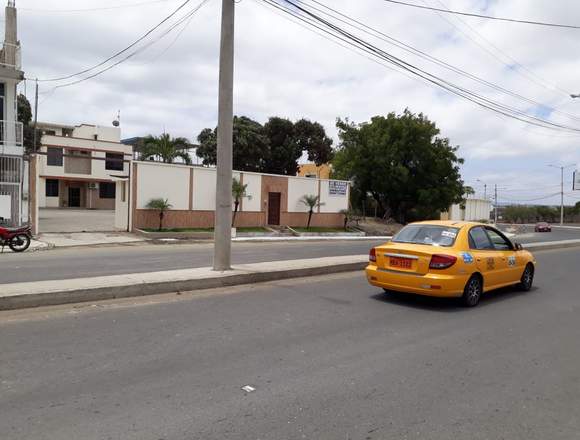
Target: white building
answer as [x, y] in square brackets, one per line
[475, 210]
[12, 171]
[78, 165]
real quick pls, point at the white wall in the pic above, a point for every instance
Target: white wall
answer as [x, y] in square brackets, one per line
[475, 209]
[332, 203]
[254, 182]
[163, 181]
[204, 188]
[5, 207]
[299, 187]
[111, 134]
[121, 205]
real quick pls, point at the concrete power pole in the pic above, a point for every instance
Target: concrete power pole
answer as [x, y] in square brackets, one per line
[561, 196]
[495, 205]
[223, 208]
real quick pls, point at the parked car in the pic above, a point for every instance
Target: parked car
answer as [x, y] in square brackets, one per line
[543, 227]
[450, 259]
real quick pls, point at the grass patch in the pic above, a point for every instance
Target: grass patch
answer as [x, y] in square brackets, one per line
[320, 229]
[249, 229]
[178, 230]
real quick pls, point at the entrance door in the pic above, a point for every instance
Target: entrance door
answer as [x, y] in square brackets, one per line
[74, 197]
[274, 208]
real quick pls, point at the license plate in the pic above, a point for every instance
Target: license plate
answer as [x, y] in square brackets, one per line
[403, 263]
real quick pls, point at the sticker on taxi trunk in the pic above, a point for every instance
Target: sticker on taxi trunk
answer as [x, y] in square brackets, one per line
[467, 257]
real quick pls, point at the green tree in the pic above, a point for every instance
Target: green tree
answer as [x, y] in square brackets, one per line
[25, 116]
[250, 145]
[311, 138]
[161, 205]
[239, 191]
[311, 202]
[273, 148]
[165, 147]
[402, 163]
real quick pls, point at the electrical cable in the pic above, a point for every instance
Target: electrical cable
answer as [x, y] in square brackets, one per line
[488, 17]
[145, 35]
[337, 32]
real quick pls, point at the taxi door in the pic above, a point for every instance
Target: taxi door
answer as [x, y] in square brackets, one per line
[509, 269]
[488, 260]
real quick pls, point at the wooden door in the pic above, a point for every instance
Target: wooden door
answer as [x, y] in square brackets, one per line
[274, 208]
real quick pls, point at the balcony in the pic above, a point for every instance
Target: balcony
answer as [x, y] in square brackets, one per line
[10, 56]
[11, 137]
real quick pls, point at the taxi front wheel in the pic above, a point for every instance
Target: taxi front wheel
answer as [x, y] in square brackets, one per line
[472, 292]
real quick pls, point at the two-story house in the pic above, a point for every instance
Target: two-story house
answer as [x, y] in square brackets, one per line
[78, 165]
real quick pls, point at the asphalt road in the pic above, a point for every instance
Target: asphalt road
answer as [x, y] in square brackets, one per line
[88, 262]
[329, 358]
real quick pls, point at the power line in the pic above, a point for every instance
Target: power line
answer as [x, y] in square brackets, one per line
[343, 18]
[102, 8]
[145, 35]
[188, 16]
[339, 33]
[489, 17]
[512, 64]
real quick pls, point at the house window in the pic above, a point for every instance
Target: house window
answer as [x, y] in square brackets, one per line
[51, 188]
[114, 162]
[54, 156]
[107, 190]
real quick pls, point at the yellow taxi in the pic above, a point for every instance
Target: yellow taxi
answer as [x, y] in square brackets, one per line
[450, 259]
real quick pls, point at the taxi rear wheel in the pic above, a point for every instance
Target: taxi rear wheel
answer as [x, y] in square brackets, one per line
[527, 278]
[472, 292]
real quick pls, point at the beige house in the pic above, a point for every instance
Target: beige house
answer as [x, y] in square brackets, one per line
[78, 165]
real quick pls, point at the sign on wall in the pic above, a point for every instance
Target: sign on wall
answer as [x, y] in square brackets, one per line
[337, 188]
[576, 182]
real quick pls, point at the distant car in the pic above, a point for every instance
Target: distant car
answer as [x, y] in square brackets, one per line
[450, 259]
[543, 227]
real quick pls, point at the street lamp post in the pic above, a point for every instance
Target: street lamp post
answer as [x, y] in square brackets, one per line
[575, 96]
[562, 168]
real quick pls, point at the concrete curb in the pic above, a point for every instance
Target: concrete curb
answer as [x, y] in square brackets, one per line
[54, 292]
[551, 245]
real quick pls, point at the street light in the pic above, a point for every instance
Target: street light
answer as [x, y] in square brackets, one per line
[562, 168]
[484, 188]
[575, 96]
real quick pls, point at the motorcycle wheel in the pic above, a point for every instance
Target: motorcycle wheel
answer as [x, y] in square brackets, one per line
[19, 243]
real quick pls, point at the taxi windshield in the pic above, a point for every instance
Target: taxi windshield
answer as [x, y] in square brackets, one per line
[433, 235]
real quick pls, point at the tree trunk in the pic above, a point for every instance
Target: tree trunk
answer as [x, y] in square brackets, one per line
[161, 220]
[236, 204]
[309, 218]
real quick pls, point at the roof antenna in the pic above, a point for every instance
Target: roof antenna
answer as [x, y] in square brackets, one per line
[117, 121]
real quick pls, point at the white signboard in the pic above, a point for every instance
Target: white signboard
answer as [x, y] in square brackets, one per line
[5, 206]
[576, 181]
[337, 188]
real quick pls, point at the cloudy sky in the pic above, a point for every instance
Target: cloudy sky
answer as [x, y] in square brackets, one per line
[287, 70]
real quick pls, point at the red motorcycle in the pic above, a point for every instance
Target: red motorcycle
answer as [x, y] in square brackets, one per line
[17, 239]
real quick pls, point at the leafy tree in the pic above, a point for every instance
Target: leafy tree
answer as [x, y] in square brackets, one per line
[166, 147]
[311, 202]
[161, 205]
[284, 150]
[239, 191]
[250, 145]
[402, 163]
[311, 138]
[25, 116]
[273, 148]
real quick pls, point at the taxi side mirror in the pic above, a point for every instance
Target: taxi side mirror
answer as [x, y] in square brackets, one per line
[518, 246]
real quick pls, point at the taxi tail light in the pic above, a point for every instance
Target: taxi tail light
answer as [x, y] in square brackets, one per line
[373, 255]
[439, 261]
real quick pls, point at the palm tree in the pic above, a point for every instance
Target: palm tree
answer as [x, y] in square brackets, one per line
[166, 147]
[160, 205]
[239, 191]
[311, 201]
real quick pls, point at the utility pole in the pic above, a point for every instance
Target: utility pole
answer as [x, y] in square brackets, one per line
[485, 191]
[223, 208]
[562, 168]
[495, 206]
[35, 116]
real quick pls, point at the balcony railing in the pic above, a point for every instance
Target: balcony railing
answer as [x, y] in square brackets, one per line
[11, 133]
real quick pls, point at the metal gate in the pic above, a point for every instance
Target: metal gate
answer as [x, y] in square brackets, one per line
[11, 175]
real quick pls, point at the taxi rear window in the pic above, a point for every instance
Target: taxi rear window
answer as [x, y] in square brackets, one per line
[433, 235]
